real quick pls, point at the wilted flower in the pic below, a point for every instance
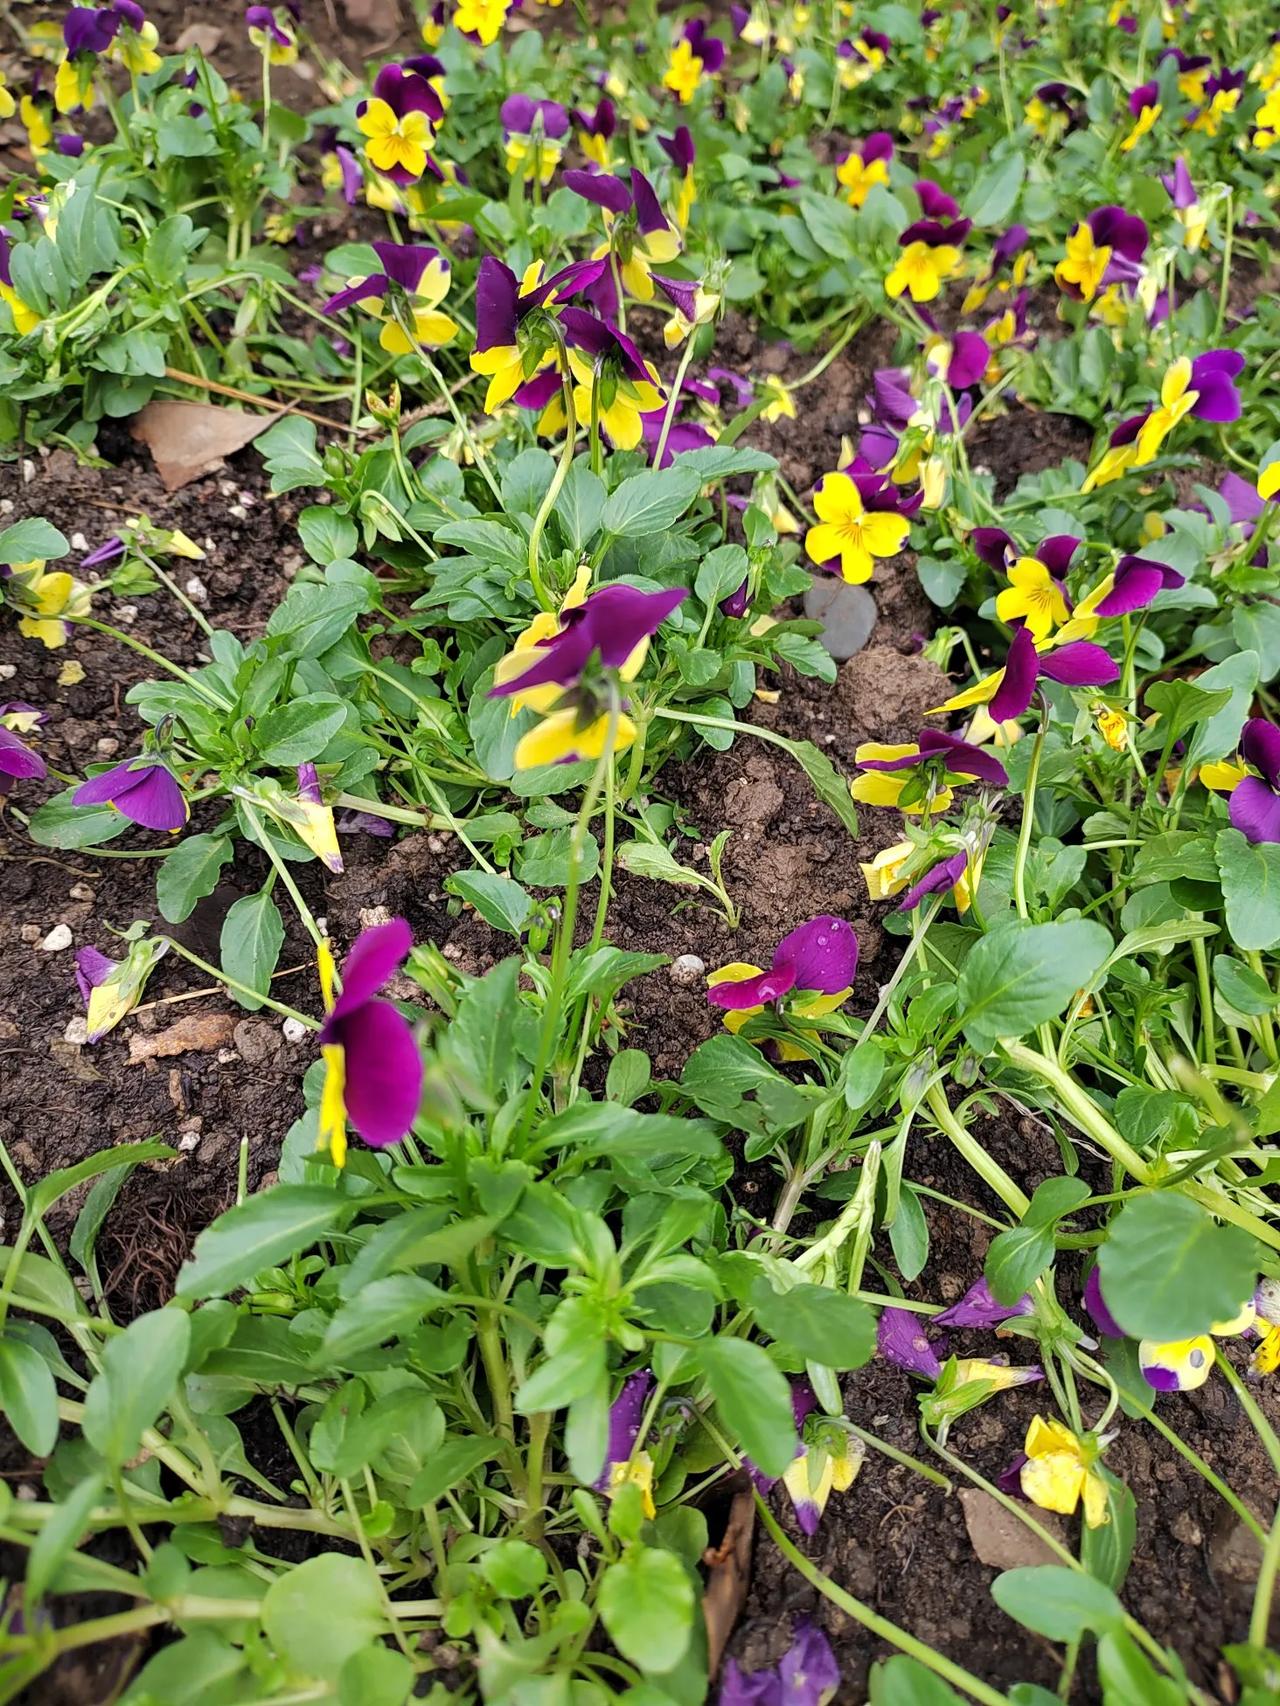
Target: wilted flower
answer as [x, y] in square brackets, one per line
[807, 1675]
[25, 318]
[639, 233]
[1105, 248]
[1254, 784]
[902, 1339]
[111, 989]
[372, 1067]
[414, 274]
[1186, 205]
[865, 165]
[399, 122]
[850, 535]
[694, 305]
[623, 1464]
[514, 342]
[966, 1382]
[920, 775]
[533, 134]
[271, 30]
[1008, 692]
[978, 1308]
[143, 789]
[1060, 1471]
[694, 56]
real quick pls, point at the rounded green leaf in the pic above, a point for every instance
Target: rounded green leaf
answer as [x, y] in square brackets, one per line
[1169, 1270]
[647, 1603]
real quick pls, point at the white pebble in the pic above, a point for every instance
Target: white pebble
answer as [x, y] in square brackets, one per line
[77, 1031]
[197, 591]
[79, 542]
[688, 970]
[294, 1030]
[57, 939]
[8, 671]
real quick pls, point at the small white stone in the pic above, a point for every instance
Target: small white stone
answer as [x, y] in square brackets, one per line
[197, 591]
[127, 614]
[107, 746]
[688, 970]
[451, 951]
[57, 939]
[372, 916]
[8, 671]
[188, 1141]
[6, 506]
[294, 1030]
[30, 933]
[239, 511]
[28, 470]
[81, 891]
[77, 1031]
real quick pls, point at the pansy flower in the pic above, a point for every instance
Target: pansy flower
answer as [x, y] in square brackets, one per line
[849, 536]
[1105, 248]
[49, 600]
[17, 761]
[1253, 783]
[533, 135]
[695, 55]
[25, 319]
[413, 275]
[1035, 596]
[611, 630]
[143, 789]
[639, 233]
[87, 33]
[1168, 1365]
[596, 130]
[818, 961]
[861, 58]
[372, 1067]
[623, 1464]
[1223, 92]
[514, 341]
[1187, 209]
[1203, 387]
[1008, 692]
[111, 989]
[865, 165]
[1008, 251]
[898, 868]
[680, 150]
[1193, 73]
[920, 775]
[694, 305]
[340, 170]
[1267, 122]
[1145, 108]
[271, 32]
[605, 363]
[931, 254]
[1060, 1471]
[135, 41]
[399, 123]
[806, 1675]
[1052, 110]
[751, 24]
[480, 21]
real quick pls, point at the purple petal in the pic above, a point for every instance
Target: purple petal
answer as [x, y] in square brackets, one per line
[18, 760]
[1241, 498]
[352, 177]
[496, 294]
[376, 956]
[1178, 184]
[383, 1071]
[612, 622]
[679, 148]
[405, 92]
[759, 991]
[92, 968]
[517, 114]
[901, 1339]
[1211, 376]
[1122, 232]
[1096, 1305]
[822, 955]
[808, 1669]
[148, 795]
[85, 29]
[935, 202]
[970, 354]
[649, 214]
[405, 263]
[1079, 664]
[1160, 1379]
[681, 291]
[1260, 747]
[944, 875]
[994, 546]
[625, 1414]
[1137, 582]
[977, 1308]
[1255, 810]
[600, 187]
[754, 1688]
[1018, 685]
[361, 291]
[1056, 553]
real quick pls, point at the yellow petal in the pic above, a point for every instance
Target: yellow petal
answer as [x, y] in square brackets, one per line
[884, 534]
[1054, 1481]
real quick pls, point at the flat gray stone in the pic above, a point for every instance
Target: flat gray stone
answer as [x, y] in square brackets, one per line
[847, 613]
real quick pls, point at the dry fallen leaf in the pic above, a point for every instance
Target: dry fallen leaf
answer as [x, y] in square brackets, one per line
[204, 36]
[190, 439]
[197, 1033]
[997, 1536]
[730, 1567]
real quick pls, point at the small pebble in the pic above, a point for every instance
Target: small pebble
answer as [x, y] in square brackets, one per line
[188, 1141]
[370, 916]
[687, 971]
[8, 671]
[126, 614]
[451, 951]
[77, 1031]
[57, 939]
[197, 591]
[847, 613]
[108, 746]
[82, 891]
[294, 1030]
[30, 933]
[79, 542]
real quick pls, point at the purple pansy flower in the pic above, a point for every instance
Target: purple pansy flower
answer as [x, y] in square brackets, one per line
[69, 145]
[935, 203]
[819, 957]
[1096, 1305]
[966, 358]
[1126, 236]
[807, 1675]
[709, 49]
[144, 790]
[263, 18]
[522, 114]
[1254, 806]
[380, 1081]
[1137, 581]
[610, 624]
[978, 1308]
[86, 29]
[961, 757]
[1080, 663]
[902, 1339]
[679, 149]
[402, 127]
[944, 875]
[17, 761]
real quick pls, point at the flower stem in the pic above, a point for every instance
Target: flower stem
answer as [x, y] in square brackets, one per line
[553, 491]
[1028, 817]
[673, 401]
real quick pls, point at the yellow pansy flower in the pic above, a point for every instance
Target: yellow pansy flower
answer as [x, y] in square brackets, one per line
[1176, 402]
[52, 598]
[1084, 263]
[396, 141]
[921, 270]
[683, 73]
[1033, 597]
[482, 18]
[848, 532]
[1059, 1472]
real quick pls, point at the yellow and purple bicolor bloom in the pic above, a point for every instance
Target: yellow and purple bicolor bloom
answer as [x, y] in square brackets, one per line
[827, 1463]
[807, 1674]
[533, 135]
[480, 21]
[623, 1464]
[1145, 109]
[1252, 782]
[1203, 387]
[143, 789]
[87, 33]
[892, 870]
[339, 168]
[694, 56]
[514, 341]
[639, 233]
[399, 122]
[372, 1067]
[271, 30]
[694, 304]
[922, 774]
[1193, 73]
[560, 674]
[1107, 248]
[1036, 596]
[865, 165]
[859, 522]
[932, 252]
[134, 45]
[17, 761]
[1053, 109]
[596, 131]
[1008, 251]
[812, 972]
[966, 1382]
[604, 361]
[1187, 210]
[751, 24]
[111, 989]
[1168, 1365]
[861, 58]
[1223, 93]
[1008, 692]
[1266, 1307]
[680, 150]
[413, 275]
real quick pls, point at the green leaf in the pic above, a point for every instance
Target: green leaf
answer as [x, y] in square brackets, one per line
[646, 1602]
[525, 481]
[831, 787]
[450, 1465]
[140, 1371]
[499, 900]
[1220, 734]
[817, 1323]
[833, 225]
[650, 503]
[1169, 1270]
[58, 823]
[1241, 987]
[1021, 975]
[731, 1081]
[32, 541]
[580, 506]
[299, 731]
[322, 1612]
[258, 1233]
[1015, 1259]
[1182, 704]
[384, 1309]
[252, 936]
[995, 192]
[312, 618]
[903, 1681]
[722, 571]
[1250, 878]
[1055, 1601]
[190, 873]
[57, 1538]
[375, 1676]
[201, 1669]
[29, 1396]
[753, 1399]
[909, 1234]
[57, 1184]
[327, 535]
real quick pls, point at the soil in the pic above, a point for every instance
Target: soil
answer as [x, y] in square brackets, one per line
[894, 1540]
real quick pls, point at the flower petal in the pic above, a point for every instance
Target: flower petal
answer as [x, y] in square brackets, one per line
[1018, 679]
[1254, 809]
[376, 956]
[1260, 747]
[383, 1071]
[822, 954]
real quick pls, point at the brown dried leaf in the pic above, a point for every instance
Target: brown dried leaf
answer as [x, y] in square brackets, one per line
[730, 1571]
[997, 1536]
[204, 36]
[196, 1033]
[190, 439]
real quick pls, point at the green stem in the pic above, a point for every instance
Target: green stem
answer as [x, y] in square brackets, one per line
[157, 658]
[673, 401]
[283, 872]
[220, 976]
[554, 489]
[988, 1170]
[1028, 817]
